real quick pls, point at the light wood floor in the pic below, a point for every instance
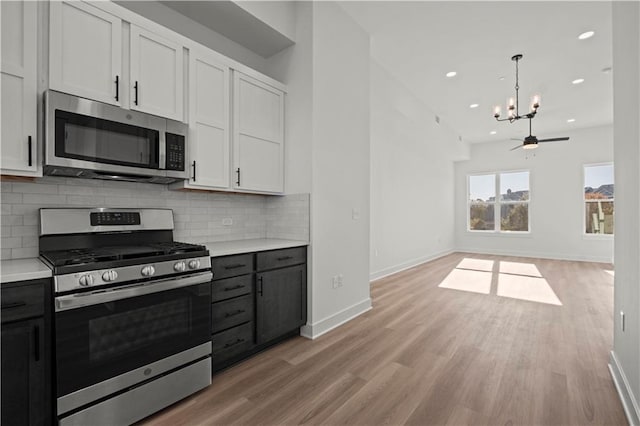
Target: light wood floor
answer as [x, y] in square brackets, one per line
[427, 355]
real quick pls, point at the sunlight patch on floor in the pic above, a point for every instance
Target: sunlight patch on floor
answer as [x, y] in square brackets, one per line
[518, 268]
[476, 264]
[521, 287]
[465, 280]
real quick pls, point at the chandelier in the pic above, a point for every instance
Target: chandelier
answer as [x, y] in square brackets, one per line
[513, 105]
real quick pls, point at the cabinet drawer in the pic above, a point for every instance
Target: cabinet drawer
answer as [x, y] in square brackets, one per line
[231, 287]
[231, 266]
[281, 258]
[231, 342]
[231, 312]
[22, 301]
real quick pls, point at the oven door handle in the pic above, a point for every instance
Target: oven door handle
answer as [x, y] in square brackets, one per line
[73, 301]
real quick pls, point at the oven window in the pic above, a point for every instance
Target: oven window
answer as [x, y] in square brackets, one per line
[98, 342]
[126, 332]
[103, 141]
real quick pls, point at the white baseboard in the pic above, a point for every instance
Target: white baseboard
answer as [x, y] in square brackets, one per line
[539, 255]
[374, 276]
[317, 329]
[629, 402]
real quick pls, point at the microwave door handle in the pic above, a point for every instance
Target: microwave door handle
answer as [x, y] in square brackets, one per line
[73, 301]
[162, 151]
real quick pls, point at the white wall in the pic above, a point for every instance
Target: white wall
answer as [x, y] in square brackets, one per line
[556, 209]
[625, 358]
[340, 168]
[412, 182]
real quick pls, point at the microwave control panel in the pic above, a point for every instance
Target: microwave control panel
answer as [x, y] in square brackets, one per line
[175, 152]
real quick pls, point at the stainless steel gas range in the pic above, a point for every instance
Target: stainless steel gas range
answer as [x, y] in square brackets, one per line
[132, 313]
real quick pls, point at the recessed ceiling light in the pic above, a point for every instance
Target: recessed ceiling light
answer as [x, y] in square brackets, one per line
[493, 132]
[473, 106]
[586, 35]
[571, 120]
[501, 78]
[578, 81]
[451, 74]
[606, 70]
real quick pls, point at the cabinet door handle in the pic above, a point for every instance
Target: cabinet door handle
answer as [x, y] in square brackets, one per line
[36, 346]
[233, 314]
[135, 90]
[194, 170]
[117, 87]
[235, 287]
[238, 172]
[284, 258]
[238, 341]
[13, 305]
[29, 147]
[260, 286]
[236, 266]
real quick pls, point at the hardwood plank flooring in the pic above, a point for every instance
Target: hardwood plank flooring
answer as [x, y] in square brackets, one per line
[521, 348]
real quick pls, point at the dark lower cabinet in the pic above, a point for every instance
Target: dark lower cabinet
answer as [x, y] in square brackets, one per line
[24, 355]
[280, 302]
[23, 373]
[258, 299]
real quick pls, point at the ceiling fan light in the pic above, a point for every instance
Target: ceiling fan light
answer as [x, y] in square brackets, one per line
[530, 146]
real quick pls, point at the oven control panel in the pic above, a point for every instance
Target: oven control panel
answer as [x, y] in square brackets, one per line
[115, 218]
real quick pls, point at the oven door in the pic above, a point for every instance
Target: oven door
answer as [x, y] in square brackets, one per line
[103, 335]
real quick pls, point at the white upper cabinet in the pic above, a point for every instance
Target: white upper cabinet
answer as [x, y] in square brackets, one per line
[85, 51]
[209, 138]
[258, 135]
[156, 74]
[18, 87]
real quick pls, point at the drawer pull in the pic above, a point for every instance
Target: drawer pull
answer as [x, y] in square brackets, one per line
[235, 287]
[260, 285]
[285, 258]
[13, 305]
[36, 346]
[236, 266]
[233, 314]
[237, 342]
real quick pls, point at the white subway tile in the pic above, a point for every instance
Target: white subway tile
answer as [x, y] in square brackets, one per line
[21, 253]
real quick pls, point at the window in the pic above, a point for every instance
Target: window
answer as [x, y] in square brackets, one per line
[508, 212]
[598, 199]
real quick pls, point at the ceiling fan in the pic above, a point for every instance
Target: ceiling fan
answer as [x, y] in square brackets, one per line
[531, 142]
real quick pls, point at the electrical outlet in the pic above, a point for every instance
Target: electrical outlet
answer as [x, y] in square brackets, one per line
[227, 221]
[334, 282]
[340, 277]
[622, 324]
[355, 214]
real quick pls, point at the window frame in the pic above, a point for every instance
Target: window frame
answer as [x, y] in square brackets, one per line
[497, 203]
[585, 234]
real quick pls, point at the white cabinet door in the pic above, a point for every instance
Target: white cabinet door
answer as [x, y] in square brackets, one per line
[156, 74]
[209, 105]
[258, 135]
[18, 88]
[85, 51]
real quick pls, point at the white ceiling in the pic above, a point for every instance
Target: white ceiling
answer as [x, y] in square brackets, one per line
[419, 42]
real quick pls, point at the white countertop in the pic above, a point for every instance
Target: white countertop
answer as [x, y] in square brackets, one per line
[223, 248]
[22, 270]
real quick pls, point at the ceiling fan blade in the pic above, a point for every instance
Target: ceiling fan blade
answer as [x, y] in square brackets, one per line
[515, 139]
[515, 147]
[554, 139]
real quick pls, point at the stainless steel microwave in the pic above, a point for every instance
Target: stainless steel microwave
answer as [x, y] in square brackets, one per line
[90, 139]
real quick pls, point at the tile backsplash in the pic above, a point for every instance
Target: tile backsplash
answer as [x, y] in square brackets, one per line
[198, 215]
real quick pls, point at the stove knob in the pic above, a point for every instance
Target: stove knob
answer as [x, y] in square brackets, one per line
[86, 280]
[194, 264]
[179, 267]
[148, 270]
[109, 276]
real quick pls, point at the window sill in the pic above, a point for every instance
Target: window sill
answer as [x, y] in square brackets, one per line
[598, 237]
[508, 234]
